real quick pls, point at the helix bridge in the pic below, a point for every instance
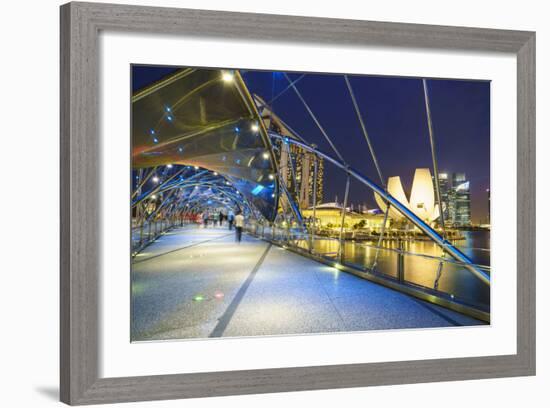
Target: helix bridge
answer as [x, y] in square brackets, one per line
[201, 140]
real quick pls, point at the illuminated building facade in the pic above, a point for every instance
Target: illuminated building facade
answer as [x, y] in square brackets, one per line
[296, 166]
[329, 215]
[422, 199]
[460, 201]
[302, 181]
[444, 191]
[455, 199]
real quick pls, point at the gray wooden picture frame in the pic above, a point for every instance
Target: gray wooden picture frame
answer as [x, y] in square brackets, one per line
[81, 24]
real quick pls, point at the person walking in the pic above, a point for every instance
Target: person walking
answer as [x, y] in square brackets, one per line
[239, 224]
[230, 219]
[220, 216]
[205, 216]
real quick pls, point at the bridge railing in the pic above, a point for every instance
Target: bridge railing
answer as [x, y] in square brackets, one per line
[411, 266]
[145, 233]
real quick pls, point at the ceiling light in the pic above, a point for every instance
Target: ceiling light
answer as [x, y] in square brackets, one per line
[227, 76]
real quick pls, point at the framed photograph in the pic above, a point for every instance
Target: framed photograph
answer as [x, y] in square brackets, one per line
[261, 203]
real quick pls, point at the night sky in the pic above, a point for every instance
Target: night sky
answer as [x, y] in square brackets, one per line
[395, 117]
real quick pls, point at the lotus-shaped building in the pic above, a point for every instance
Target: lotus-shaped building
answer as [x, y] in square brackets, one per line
[422, 198]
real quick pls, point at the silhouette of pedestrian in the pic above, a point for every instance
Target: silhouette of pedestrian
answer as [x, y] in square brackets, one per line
[230, 219]
[239, 224]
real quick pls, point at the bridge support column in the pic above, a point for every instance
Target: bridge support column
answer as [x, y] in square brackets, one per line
[401, 261]
[313, 224]
[341, 240]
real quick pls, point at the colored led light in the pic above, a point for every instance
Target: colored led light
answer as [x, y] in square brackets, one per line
[258, 189]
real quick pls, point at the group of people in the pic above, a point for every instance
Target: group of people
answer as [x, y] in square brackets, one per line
[214, 219]
[232, 219]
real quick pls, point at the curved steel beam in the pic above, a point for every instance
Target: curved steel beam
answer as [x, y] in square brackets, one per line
[234, 198]
[264, 132]
[161, 186]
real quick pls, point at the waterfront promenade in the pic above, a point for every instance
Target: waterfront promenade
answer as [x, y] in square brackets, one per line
[198, 283]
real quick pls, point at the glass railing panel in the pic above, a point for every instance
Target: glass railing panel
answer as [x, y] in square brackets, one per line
[420, 268]
[386, 259]
[365, 255]
[411, 261]
[325, 247]
[357, 255]
[417, 269]
[464, 286]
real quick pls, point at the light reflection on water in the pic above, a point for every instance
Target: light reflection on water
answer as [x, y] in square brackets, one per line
[454, 279]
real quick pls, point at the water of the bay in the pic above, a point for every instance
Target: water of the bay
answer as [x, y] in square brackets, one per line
[454, 278]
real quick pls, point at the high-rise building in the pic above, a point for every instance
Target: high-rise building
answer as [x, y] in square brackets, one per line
[444, 190]
[460, 201]
[455, 199]
[296, 165]
[298, 172]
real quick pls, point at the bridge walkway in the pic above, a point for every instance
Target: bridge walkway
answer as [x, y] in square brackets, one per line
[196, 283]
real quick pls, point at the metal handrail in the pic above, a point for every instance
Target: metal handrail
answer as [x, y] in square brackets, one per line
[305, 236]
